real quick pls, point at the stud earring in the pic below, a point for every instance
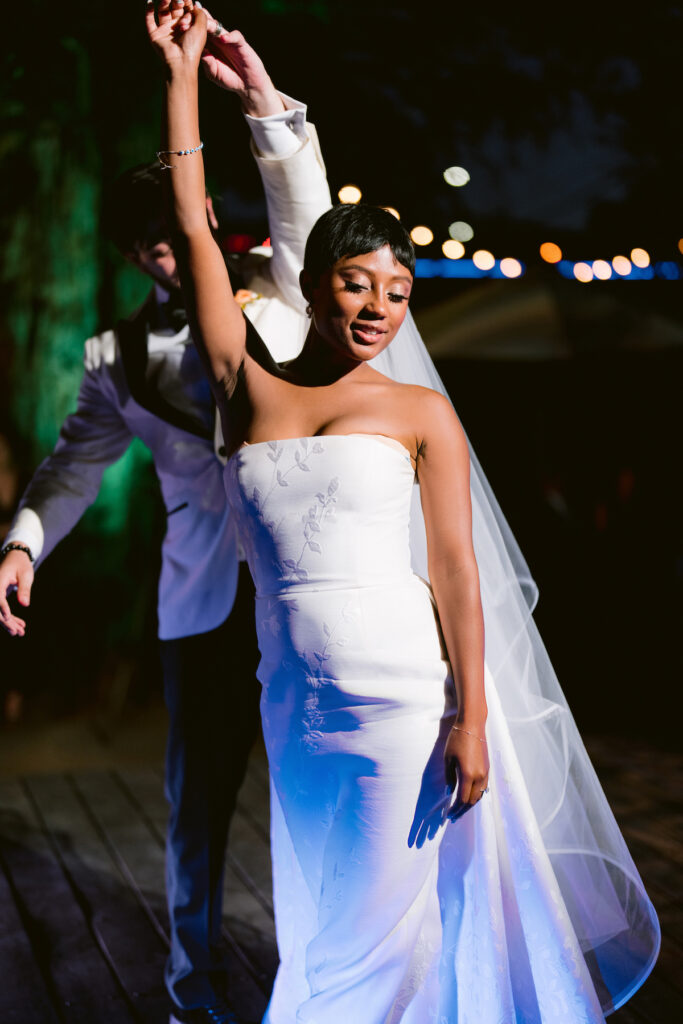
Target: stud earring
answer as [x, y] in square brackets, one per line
[309, 310]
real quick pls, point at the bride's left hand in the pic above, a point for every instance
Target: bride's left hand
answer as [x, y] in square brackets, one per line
[177, 31]
[467, 769]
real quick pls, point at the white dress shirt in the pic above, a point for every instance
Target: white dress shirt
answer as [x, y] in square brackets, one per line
[174, 369]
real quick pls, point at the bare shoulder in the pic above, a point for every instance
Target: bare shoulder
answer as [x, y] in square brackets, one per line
[432, 413]
[420, 401]
[438, 430]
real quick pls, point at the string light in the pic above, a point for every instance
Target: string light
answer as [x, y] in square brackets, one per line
[582, 272]
[550, 252]
[422, 235]
[510, 267]
[349, 194]
[461, 231]
[602, 270]
[453, 249]
[621, 266]
[483, 259]
[640, 257]
[456, 176]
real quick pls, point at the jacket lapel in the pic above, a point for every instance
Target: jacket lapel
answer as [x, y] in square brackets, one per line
[132, 336]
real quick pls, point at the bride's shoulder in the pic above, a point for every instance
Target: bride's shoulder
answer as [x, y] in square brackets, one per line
[432, 405]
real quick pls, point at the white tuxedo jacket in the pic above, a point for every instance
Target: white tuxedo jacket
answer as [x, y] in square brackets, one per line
[115, 404]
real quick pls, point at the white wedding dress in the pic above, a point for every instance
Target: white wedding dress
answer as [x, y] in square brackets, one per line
[386, 911]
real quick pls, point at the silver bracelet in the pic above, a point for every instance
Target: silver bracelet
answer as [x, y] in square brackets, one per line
[457, 728]
[175, 152]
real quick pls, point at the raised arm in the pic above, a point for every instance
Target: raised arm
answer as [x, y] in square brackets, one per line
[178, 34]
[286, 151]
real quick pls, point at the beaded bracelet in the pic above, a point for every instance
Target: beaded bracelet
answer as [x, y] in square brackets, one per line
[175, 152]
[14, 546]
[458, 729]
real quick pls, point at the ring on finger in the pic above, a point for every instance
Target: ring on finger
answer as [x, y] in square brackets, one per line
[217, 30]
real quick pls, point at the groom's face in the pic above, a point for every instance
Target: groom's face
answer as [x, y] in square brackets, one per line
[155, 256]
[157, 260]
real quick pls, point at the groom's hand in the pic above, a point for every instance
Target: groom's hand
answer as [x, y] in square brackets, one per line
[15, 571]
[229, 61]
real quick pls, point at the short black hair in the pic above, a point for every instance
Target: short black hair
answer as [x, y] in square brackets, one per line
[350, 230]
[133, 212]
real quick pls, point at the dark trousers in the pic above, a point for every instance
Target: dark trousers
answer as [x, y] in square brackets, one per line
[212, 698]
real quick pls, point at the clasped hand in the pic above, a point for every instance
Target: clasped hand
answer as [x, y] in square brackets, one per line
[185, 34]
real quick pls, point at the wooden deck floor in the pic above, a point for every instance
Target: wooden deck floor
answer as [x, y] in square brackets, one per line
[84, 931]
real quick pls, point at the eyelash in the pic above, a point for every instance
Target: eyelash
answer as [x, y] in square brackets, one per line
[351, 286]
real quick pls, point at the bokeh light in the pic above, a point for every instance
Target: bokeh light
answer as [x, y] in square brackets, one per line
[453, 249]
[550, 252]
[668, 269]
[680, 245]
[510, 267]
[602, 270]
[393, 211]
[640, 257]
[422, 235]
[349, 194]
[456, 176]
[582, 272]
[461, 231]
[621, 265]
[483, 259]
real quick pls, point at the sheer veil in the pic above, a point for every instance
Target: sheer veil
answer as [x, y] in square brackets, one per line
[612, 916]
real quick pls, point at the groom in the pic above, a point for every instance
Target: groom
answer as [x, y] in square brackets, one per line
[143, 379]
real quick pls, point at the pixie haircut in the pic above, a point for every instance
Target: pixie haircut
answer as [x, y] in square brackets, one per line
[133, 213]
[349, 230]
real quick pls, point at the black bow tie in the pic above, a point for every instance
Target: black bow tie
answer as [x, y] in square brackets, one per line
[171, 316]
[177, 318]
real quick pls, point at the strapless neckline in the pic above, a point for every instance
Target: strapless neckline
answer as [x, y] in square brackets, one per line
[384, 439]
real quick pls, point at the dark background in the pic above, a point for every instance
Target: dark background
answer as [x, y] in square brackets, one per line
[567, 120]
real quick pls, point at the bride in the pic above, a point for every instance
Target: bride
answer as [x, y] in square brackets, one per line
[415, 880]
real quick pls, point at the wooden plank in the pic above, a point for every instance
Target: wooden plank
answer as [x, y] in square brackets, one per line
[24, 992]
[85, 989]
[131, 845]
[628, 1015]
[656, 1001]
[133, 949]
[258, 767]
[253, 802]
[248, 931]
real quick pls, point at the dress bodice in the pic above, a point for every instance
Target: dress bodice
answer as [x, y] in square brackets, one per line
[324, 512]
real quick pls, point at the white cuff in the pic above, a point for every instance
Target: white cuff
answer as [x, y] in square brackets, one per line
[280, 135]
[27, 529]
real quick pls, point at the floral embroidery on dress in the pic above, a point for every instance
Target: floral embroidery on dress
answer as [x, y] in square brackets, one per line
[313, 718]
[302, 454]
[312, 524]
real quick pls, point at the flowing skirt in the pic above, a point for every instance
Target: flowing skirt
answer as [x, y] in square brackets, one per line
[386, 911]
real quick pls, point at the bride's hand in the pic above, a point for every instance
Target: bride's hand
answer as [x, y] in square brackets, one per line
[177, 32]
[467, 769]
[230, 62]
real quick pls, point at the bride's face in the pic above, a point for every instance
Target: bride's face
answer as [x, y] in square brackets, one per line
[360, 303]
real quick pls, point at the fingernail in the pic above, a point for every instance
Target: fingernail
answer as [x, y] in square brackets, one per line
[198, 4]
